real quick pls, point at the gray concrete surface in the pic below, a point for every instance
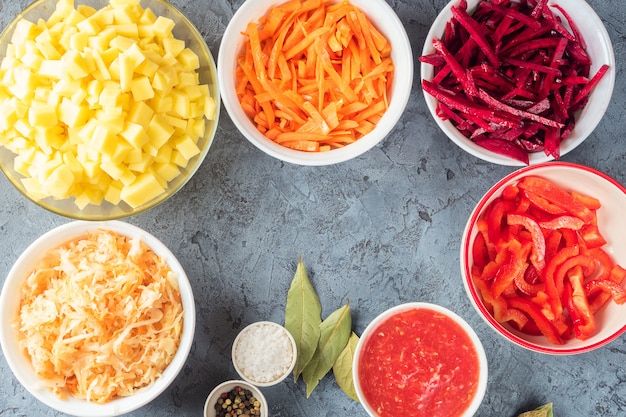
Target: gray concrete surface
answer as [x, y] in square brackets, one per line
[380, 230]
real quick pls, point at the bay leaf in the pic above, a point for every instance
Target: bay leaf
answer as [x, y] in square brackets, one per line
[543, 411]
[303, 316]
[342, 369]
[334, 334]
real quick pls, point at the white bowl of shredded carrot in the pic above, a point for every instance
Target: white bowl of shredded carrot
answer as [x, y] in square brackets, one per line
[315, 82]
[518, 83]
[97, 318]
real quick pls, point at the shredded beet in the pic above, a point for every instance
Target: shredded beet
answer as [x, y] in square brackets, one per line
[511, 76]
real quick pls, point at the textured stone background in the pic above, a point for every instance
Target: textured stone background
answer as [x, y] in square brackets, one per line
[380, 230]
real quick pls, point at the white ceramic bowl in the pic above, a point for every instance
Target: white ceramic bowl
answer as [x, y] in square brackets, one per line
[611, 319]
[264, 353]
[20, 364]
[383, 17]
[372, 332]
[224, 387]
[183, 30]
[599, 49]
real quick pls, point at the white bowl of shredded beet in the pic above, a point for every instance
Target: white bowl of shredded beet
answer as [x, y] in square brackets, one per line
[98, 318]
[517, 82]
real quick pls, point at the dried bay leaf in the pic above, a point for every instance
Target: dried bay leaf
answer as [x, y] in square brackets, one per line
[303, 317]
[342, 369]
[543, 411]
[334, 334]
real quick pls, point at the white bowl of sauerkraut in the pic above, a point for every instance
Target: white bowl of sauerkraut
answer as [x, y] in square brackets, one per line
[97, 318]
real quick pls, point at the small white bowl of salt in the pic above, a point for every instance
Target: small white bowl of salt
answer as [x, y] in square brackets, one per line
[264, 353]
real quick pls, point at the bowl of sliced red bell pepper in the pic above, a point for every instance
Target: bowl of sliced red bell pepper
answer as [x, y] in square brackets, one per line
[517, 82]
[543, 258]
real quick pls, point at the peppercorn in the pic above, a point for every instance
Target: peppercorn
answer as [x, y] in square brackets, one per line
[237, 402]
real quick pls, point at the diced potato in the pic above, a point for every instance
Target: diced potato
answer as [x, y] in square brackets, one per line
[135, 135]
[163, 27]
[42, 114]
[140, 113]
[141, 89]
[187, 147]
[74, 65]
[167, 170]
[24, 30]
[159, 131]
[72, 114]
[143, 189]
[8, 115]
[114, 193]
[59, 182]
[189, 59]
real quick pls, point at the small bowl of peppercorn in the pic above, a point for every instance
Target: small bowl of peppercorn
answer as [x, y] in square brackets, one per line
[231, 396]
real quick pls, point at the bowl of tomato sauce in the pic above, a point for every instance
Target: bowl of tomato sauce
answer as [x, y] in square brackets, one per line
[420, 359]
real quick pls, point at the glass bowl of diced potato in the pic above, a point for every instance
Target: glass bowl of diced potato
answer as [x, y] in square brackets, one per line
[107, 107]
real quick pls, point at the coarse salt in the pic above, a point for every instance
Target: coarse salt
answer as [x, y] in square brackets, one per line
[263, 352]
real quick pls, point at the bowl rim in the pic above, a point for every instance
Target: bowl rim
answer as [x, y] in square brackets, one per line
[211, 398]
[292, 342]
[113, 212]
[465, 249]
[460, 321]
[16, 359]
[569, 144]
[401, 88]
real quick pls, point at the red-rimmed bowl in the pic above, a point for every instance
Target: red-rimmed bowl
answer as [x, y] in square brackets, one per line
[611, 319]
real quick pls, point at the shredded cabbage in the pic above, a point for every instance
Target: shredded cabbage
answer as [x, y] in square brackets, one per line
[101, 317]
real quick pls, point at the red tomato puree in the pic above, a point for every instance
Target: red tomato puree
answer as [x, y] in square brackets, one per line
[419, 362]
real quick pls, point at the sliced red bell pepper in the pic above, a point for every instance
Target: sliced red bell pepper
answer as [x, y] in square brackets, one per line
[570, 237]
[542, 204]
[480, 253]
[592, 236]
[546, 327]
[538, 254]
[577, 304]
[605, 263]
[510, 192]
[618, 274]
[591, 202]
[616, 290]
[499, 307]
[554, 291]
[514, 265]
[530, 282]
[553, 243]
[562, 222]
[489, 271]
[584, 262]
[523, 204]
[483, 229]
[557, 196]
[496, 219]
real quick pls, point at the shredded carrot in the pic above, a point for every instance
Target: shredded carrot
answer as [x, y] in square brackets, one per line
[314, 74]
